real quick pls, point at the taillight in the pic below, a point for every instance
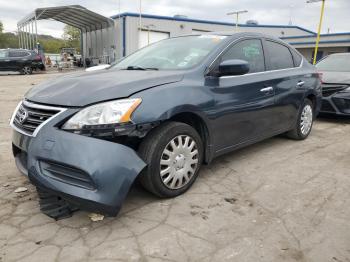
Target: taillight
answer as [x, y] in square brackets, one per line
[38, 57]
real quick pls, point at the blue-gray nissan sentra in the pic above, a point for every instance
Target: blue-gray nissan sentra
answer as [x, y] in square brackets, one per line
[157, 116]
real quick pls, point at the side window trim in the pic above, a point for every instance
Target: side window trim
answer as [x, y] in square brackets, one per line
[214, 64]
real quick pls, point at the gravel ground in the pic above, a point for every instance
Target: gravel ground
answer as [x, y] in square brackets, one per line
[279, 200]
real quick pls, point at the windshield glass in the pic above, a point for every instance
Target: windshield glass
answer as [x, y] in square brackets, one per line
[173, 53]
[338, 63]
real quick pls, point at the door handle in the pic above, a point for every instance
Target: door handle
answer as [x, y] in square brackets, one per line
[300, 83]
[267, 89]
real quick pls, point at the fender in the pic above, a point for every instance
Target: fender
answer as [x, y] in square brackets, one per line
[176, 99]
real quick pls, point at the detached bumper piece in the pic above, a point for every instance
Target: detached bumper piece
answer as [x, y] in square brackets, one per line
[76, 172]
[54, 206]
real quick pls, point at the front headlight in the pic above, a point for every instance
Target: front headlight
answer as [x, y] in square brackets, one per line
[114, 112]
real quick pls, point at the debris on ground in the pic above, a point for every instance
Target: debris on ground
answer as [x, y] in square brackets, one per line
[96, 217]
[21, 189]
[6, 185]
[230, 200]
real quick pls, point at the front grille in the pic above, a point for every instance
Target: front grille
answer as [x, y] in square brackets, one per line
[330, 89]
[66, 174]
[327, 107]
[342, 104]
[30, 116]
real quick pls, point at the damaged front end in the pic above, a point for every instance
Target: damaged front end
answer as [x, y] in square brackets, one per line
[73, 170]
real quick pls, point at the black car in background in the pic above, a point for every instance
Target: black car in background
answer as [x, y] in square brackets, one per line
[20, 60]
[158, 115]
[335, 70]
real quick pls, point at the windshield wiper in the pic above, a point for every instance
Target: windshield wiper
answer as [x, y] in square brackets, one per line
[140, 68]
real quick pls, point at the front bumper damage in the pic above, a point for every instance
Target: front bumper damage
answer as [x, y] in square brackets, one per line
[76, 171]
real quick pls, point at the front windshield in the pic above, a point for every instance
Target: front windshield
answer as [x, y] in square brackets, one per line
[172, 54]
[337, 63]
[3, 53]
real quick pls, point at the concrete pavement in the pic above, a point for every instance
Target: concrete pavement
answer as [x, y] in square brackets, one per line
[279, 200]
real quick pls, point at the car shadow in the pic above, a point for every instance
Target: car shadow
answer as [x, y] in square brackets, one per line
[336, 119]
[139, 197]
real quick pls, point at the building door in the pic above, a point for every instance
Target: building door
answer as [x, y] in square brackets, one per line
[147, 37]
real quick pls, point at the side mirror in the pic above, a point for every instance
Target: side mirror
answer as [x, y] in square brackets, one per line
[233, 67]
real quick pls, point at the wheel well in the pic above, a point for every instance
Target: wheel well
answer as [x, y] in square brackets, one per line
[199, 125]
[312, 98]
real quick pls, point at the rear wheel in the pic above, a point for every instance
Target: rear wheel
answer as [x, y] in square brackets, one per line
[304, 123]
[26, 70]
[173, 153]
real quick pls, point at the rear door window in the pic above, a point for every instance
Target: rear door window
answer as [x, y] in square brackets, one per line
[279, 56]
[249, 50]
[14, 54]
[18, 53]
[297, 58]
[24, 53]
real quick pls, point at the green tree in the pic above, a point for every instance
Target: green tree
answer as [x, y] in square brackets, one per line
[1, 27]
[72, 37]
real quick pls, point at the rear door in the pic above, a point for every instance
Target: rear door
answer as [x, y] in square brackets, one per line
[244, 104]
[19, 58]
[14, 56]
[287, 77]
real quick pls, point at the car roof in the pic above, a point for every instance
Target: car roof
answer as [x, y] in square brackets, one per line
[235, 35]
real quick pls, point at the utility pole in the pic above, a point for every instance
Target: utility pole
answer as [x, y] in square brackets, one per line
[291, 14]
[140, 16]
[319, 27]
[237, 13]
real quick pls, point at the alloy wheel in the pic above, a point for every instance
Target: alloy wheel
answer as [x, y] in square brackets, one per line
[26, 70]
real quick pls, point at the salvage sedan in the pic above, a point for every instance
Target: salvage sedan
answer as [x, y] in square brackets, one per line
[158, 115]
[335, 70]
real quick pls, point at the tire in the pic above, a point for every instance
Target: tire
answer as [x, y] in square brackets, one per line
[26, 70]
[169, 179]
[303, 126]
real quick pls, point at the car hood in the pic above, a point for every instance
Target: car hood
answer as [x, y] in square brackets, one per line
[81, 89]
[329, 77]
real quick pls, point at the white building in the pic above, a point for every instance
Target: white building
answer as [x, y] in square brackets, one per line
[105, 39]
[156, 27]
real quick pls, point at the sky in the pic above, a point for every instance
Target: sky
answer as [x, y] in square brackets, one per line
[275, 12]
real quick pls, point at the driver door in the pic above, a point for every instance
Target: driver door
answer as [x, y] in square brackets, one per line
[245, 103]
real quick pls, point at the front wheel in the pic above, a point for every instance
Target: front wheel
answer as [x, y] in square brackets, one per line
[173, 153]
[304, 122]
[26, 70]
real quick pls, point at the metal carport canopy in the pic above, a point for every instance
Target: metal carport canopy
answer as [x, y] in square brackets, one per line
[74, 15]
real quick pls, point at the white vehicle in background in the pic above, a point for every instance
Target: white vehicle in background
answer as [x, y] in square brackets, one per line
[98, 67]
